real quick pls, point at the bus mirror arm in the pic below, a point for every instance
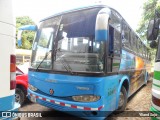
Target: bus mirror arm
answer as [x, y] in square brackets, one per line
[21, 29]
[19, 37]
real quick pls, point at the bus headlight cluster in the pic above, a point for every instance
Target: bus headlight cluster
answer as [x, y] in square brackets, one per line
[86, 98]
[31, 87]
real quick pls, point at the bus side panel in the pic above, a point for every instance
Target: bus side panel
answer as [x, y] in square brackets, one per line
[7, 38]
[6, 104]
[122, 79]
[156, 88]
[5, 65]
[6, 13]
[111, 85]
[134, 67]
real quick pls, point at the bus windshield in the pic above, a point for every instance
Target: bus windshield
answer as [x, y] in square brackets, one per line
[67, 43]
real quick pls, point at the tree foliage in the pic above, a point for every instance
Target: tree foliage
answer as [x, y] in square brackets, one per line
[149, 8]
[148, 14]
[27, 36]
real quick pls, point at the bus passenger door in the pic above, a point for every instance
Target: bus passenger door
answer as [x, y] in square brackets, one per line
[114, 50]
[113, 65]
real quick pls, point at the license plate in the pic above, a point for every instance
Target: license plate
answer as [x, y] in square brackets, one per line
[33, 99]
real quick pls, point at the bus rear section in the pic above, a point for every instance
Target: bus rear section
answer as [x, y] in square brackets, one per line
[153, 37]
[8, 58]
[155, 103]
[78, 64]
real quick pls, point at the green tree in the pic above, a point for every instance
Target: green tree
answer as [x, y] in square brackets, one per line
[27, 36]
[149, 8]
[148, 13]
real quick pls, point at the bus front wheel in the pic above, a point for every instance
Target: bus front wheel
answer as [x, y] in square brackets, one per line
[19, 96]
[122, 100]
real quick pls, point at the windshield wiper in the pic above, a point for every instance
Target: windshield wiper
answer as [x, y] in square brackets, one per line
[64, 62]
[43, 59]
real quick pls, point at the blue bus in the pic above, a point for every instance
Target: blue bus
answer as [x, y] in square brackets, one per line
[87, 60]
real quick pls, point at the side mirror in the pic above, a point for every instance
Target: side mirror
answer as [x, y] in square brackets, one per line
[21, 29]
[153, 29]
[101, 29]
[153, 44]
[29, 27]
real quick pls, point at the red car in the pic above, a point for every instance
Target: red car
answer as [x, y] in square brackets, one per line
[21, 86]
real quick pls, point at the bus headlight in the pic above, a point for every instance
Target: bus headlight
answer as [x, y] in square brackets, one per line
[31, 87]
[86, 98]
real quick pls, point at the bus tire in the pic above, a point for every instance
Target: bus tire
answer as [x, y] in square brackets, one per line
[19, 96]
[122, 100]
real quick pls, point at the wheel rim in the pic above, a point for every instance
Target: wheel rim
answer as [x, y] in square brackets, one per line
[121, 99]
[17, 98]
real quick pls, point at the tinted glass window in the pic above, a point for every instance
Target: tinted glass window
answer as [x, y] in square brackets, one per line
[138, 46]
[125, 36]
[133, 42]
[117, 39]
[116, 20]
[141, 48]
[42, 47]
[77, 50]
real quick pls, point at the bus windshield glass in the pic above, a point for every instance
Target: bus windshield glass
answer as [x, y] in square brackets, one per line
[67, 43]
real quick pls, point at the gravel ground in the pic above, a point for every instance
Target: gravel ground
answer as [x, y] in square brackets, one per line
[140, 101]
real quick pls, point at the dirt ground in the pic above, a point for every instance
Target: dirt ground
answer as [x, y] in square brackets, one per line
[140, 101]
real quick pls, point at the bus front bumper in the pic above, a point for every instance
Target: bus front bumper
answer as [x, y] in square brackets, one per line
[82, 109]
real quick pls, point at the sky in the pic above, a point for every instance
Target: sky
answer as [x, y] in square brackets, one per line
[131, 10]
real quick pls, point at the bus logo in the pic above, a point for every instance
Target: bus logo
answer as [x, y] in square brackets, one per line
[51, 91]
[53, 81]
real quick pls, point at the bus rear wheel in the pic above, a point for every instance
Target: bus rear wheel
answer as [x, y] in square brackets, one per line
[122, 100]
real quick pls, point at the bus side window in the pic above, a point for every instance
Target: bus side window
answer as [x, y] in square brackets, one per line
[114, 41]
[137, 46]
[114, 50]
[115, 29]
[133, 42]
[141, 48]
[117, 44]
[111, 39]
[116, 20]
[125, 36]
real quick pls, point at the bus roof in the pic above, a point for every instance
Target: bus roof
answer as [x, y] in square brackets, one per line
[76, 9]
